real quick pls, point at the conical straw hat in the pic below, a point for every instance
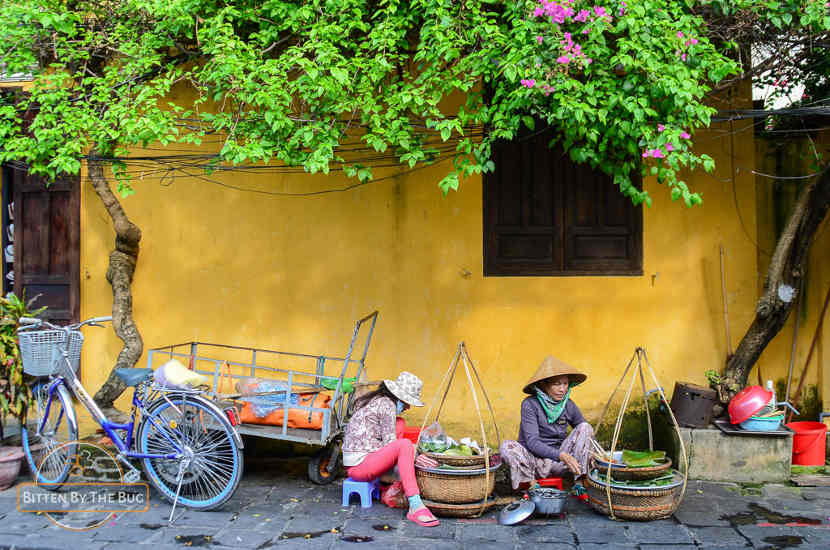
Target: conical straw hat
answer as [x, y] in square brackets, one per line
[550, 367]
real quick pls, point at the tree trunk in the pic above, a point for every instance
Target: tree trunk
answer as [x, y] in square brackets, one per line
[120, 275]
[787, 267]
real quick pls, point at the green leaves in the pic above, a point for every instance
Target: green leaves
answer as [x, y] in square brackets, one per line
[329, 85]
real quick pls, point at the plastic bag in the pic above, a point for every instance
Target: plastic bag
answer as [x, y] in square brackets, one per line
[434, 439]
[471, 443]
[173, 374]
[247, 385]
[394, 497]
[263, 405]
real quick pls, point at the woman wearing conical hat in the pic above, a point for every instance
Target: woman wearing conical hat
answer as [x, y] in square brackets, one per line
[544, 447]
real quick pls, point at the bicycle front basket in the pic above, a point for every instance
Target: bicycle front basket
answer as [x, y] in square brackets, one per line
[40, 349]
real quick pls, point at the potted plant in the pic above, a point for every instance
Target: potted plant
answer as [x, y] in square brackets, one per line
[15, 385]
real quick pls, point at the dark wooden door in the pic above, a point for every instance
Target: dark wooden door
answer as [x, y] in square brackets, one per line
[47, 244]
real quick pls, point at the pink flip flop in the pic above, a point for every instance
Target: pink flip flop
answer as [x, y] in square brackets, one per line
[423, 517]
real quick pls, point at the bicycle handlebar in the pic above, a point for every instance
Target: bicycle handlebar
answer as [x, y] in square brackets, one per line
[32, 322]
[96, 320]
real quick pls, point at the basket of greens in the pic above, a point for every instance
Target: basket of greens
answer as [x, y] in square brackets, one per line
[633, 465]
[437, 445]
[641, 500]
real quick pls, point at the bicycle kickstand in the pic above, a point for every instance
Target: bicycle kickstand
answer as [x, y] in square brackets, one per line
[179, 478]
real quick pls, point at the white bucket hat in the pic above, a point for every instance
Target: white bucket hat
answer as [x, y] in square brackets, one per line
[407, 388]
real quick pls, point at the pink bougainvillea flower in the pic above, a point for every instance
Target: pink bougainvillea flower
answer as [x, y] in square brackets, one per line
[563, 59]
[683, 57]
[582, 16]
[660, 128]
[669, 147]
[539, 39]
[694, 41]
[647, 154]
[600, 11]
[528, 83]
[685, 135]
[679, 34]
[585, 31]
[588, 61]
[658, 154]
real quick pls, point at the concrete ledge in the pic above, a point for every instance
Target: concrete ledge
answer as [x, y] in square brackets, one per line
[715, 456]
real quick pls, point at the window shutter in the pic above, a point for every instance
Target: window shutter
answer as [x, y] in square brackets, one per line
[603, 228]
[545, 215]
[46, 244]
[522, 210]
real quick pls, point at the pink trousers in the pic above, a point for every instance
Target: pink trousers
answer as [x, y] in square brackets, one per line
[400, 452]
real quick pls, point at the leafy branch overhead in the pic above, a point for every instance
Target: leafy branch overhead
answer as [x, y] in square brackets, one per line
[624, 83]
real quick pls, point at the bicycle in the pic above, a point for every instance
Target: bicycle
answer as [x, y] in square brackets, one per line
[188, 447]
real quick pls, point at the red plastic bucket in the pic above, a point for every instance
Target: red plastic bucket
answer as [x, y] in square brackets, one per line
[808, 443]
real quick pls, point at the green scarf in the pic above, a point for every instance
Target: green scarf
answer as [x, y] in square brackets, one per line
[553, 410]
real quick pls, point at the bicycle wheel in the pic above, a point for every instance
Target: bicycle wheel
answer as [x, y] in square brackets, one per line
[205, 439]
[61, 426]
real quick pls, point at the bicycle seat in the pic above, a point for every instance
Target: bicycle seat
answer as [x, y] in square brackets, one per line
[133, 377]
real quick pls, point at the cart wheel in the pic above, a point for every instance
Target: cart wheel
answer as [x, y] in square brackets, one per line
[318, 467]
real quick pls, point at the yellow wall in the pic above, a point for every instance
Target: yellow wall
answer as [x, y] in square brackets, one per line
[234, 267]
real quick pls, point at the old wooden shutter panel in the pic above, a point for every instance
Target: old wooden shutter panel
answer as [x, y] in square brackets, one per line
[602, 228]
[520, 212]
[46, 243]
[545, 215]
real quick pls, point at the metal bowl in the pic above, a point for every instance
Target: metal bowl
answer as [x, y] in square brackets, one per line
[548, 500]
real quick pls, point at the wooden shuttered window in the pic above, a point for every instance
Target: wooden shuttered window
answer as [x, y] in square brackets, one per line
[545, 215]
[47, 244]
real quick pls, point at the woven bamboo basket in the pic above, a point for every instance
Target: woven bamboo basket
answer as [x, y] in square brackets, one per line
[449, 460]
[467, 510]
[455, 486]
[632, 474]
[635, 504]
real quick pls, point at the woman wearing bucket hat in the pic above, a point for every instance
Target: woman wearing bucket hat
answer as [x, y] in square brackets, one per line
[372, 444]
[544, 447]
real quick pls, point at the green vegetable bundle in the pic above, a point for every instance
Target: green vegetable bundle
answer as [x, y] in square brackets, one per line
[643, 459]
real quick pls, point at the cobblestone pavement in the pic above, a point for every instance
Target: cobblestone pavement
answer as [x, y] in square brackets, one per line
[277, 507]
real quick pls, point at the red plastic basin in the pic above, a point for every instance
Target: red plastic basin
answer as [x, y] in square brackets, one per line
[747, 402]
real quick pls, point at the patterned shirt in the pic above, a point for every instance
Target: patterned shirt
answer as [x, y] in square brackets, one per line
[371, 427]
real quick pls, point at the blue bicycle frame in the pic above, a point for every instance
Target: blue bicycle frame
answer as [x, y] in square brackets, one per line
[123, 445]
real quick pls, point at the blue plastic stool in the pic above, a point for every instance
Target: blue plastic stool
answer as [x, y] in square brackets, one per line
[366, 489]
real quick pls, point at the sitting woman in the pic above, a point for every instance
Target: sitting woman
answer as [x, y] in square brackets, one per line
[372, 446]
[544, 448]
